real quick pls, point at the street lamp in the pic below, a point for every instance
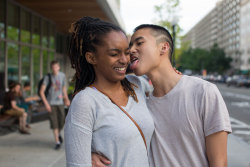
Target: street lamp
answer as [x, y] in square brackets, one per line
[174, 23]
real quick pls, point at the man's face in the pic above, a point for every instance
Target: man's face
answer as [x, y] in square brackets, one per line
[55, 68]
[144, 52]
[17, 88]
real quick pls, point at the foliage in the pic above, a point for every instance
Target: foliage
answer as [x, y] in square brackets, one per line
[167, 12]
[213, 60]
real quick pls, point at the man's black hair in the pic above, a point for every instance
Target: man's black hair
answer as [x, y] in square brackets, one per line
[160, 33]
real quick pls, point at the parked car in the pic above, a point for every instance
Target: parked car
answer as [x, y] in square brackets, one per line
[232, 80]
[244, 81]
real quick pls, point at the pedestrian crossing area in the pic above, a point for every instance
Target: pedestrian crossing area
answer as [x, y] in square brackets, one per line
[240, 129]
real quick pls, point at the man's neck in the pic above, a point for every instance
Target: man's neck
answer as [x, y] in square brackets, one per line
[163, 78]
[55, 73]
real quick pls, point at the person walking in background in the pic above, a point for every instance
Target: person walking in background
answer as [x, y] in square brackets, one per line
[11, 108]
[54, 102]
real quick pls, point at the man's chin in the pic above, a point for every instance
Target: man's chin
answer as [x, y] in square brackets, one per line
[139, 72]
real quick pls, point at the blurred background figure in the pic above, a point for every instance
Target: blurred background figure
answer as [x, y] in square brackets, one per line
[10, 106]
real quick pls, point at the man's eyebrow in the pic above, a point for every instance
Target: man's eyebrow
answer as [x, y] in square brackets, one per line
[136, 39]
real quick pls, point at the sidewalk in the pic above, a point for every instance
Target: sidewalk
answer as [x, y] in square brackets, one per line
[36, 150]
[238, 152]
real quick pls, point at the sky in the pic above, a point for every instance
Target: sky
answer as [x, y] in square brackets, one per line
[136, 12]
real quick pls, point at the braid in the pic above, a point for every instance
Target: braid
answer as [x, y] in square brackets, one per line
[85, 36]
[128, 87]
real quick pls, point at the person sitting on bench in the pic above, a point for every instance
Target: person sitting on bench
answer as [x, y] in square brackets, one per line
[10, 106]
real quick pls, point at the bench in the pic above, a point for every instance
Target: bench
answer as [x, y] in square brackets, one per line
[7, 120]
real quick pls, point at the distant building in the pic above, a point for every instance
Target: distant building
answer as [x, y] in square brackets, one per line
[221, 26]
[34, 32]
[245, 35]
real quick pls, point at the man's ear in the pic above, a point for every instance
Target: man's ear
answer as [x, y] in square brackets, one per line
[90, 57]
[164, 48]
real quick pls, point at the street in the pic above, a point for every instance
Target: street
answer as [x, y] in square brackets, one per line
[238, 103]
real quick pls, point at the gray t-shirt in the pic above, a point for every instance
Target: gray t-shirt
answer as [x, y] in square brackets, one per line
[55, 96]
[192, 110]
[95, 124]
[145, 84]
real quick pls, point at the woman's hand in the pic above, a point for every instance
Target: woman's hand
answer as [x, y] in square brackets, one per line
[178, 72]
[99, 161]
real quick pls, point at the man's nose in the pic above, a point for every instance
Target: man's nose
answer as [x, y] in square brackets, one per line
[132, 49]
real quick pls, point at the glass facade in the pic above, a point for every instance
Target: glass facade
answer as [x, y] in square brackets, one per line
[36, 30]
[13, 22]
[45, 62]
[25, 26]
[2, 22]
[2, 66]
[25, 64]
[36, 67]
[30, 44]
[12, 62]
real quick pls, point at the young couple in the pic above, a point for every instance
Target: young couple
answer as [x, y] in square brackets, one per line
[184, 122]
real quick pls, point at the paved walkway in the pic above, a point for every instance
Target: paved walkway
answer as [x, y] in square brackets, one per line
[36, 150]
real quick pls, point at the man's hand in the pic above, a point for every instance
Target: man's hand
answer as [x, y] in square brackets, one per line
[99, 161]
[48, 108]
[178, 72]
[67, 102]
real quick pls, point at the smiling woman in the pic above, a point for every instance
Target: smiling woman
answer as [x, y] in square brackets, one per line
[108, 114]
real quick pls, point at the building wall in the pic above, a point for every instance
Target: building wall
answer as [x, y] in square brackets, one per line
[32, 33]
[27, 44]
[245, 34]
[222, 26]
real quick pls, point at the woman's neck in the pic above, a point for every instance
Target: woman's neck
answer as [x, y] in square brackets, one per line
[108, 87]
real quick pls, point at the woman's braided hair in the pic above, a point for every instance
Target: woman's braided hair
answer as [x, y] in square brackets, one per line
[86, 34]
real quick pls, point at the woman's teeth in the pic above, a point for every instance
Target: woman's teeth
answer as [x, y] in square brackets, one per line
[120, 69]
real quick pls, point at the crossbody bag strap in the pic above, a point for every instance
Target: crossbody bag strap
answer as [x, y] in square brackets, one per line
[138, 127]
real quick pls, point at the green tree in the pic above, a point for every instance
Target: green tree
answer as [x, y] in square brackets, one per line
[167, 13]
[218, 60]
[213, 60]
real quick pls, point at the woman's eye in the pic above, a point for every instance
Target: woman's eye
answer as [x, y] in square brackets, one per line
[113, 55]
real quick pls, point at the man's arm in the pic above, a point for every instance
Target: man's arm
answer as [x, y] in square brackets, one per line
[32, 98]
[46, 103]
[14, 106]
[65, 96]
[216, 146]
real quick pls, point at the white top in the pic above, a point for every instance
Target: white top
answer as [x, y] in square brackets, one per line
[192, 110]
[95, 124]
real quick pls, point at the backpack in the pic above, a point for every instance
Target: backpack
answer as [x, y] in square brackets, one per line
[47, 88]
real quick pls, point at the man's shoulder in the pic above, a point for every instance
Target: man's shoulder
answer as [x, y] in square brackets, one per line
[61, 74]
[197, 82]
